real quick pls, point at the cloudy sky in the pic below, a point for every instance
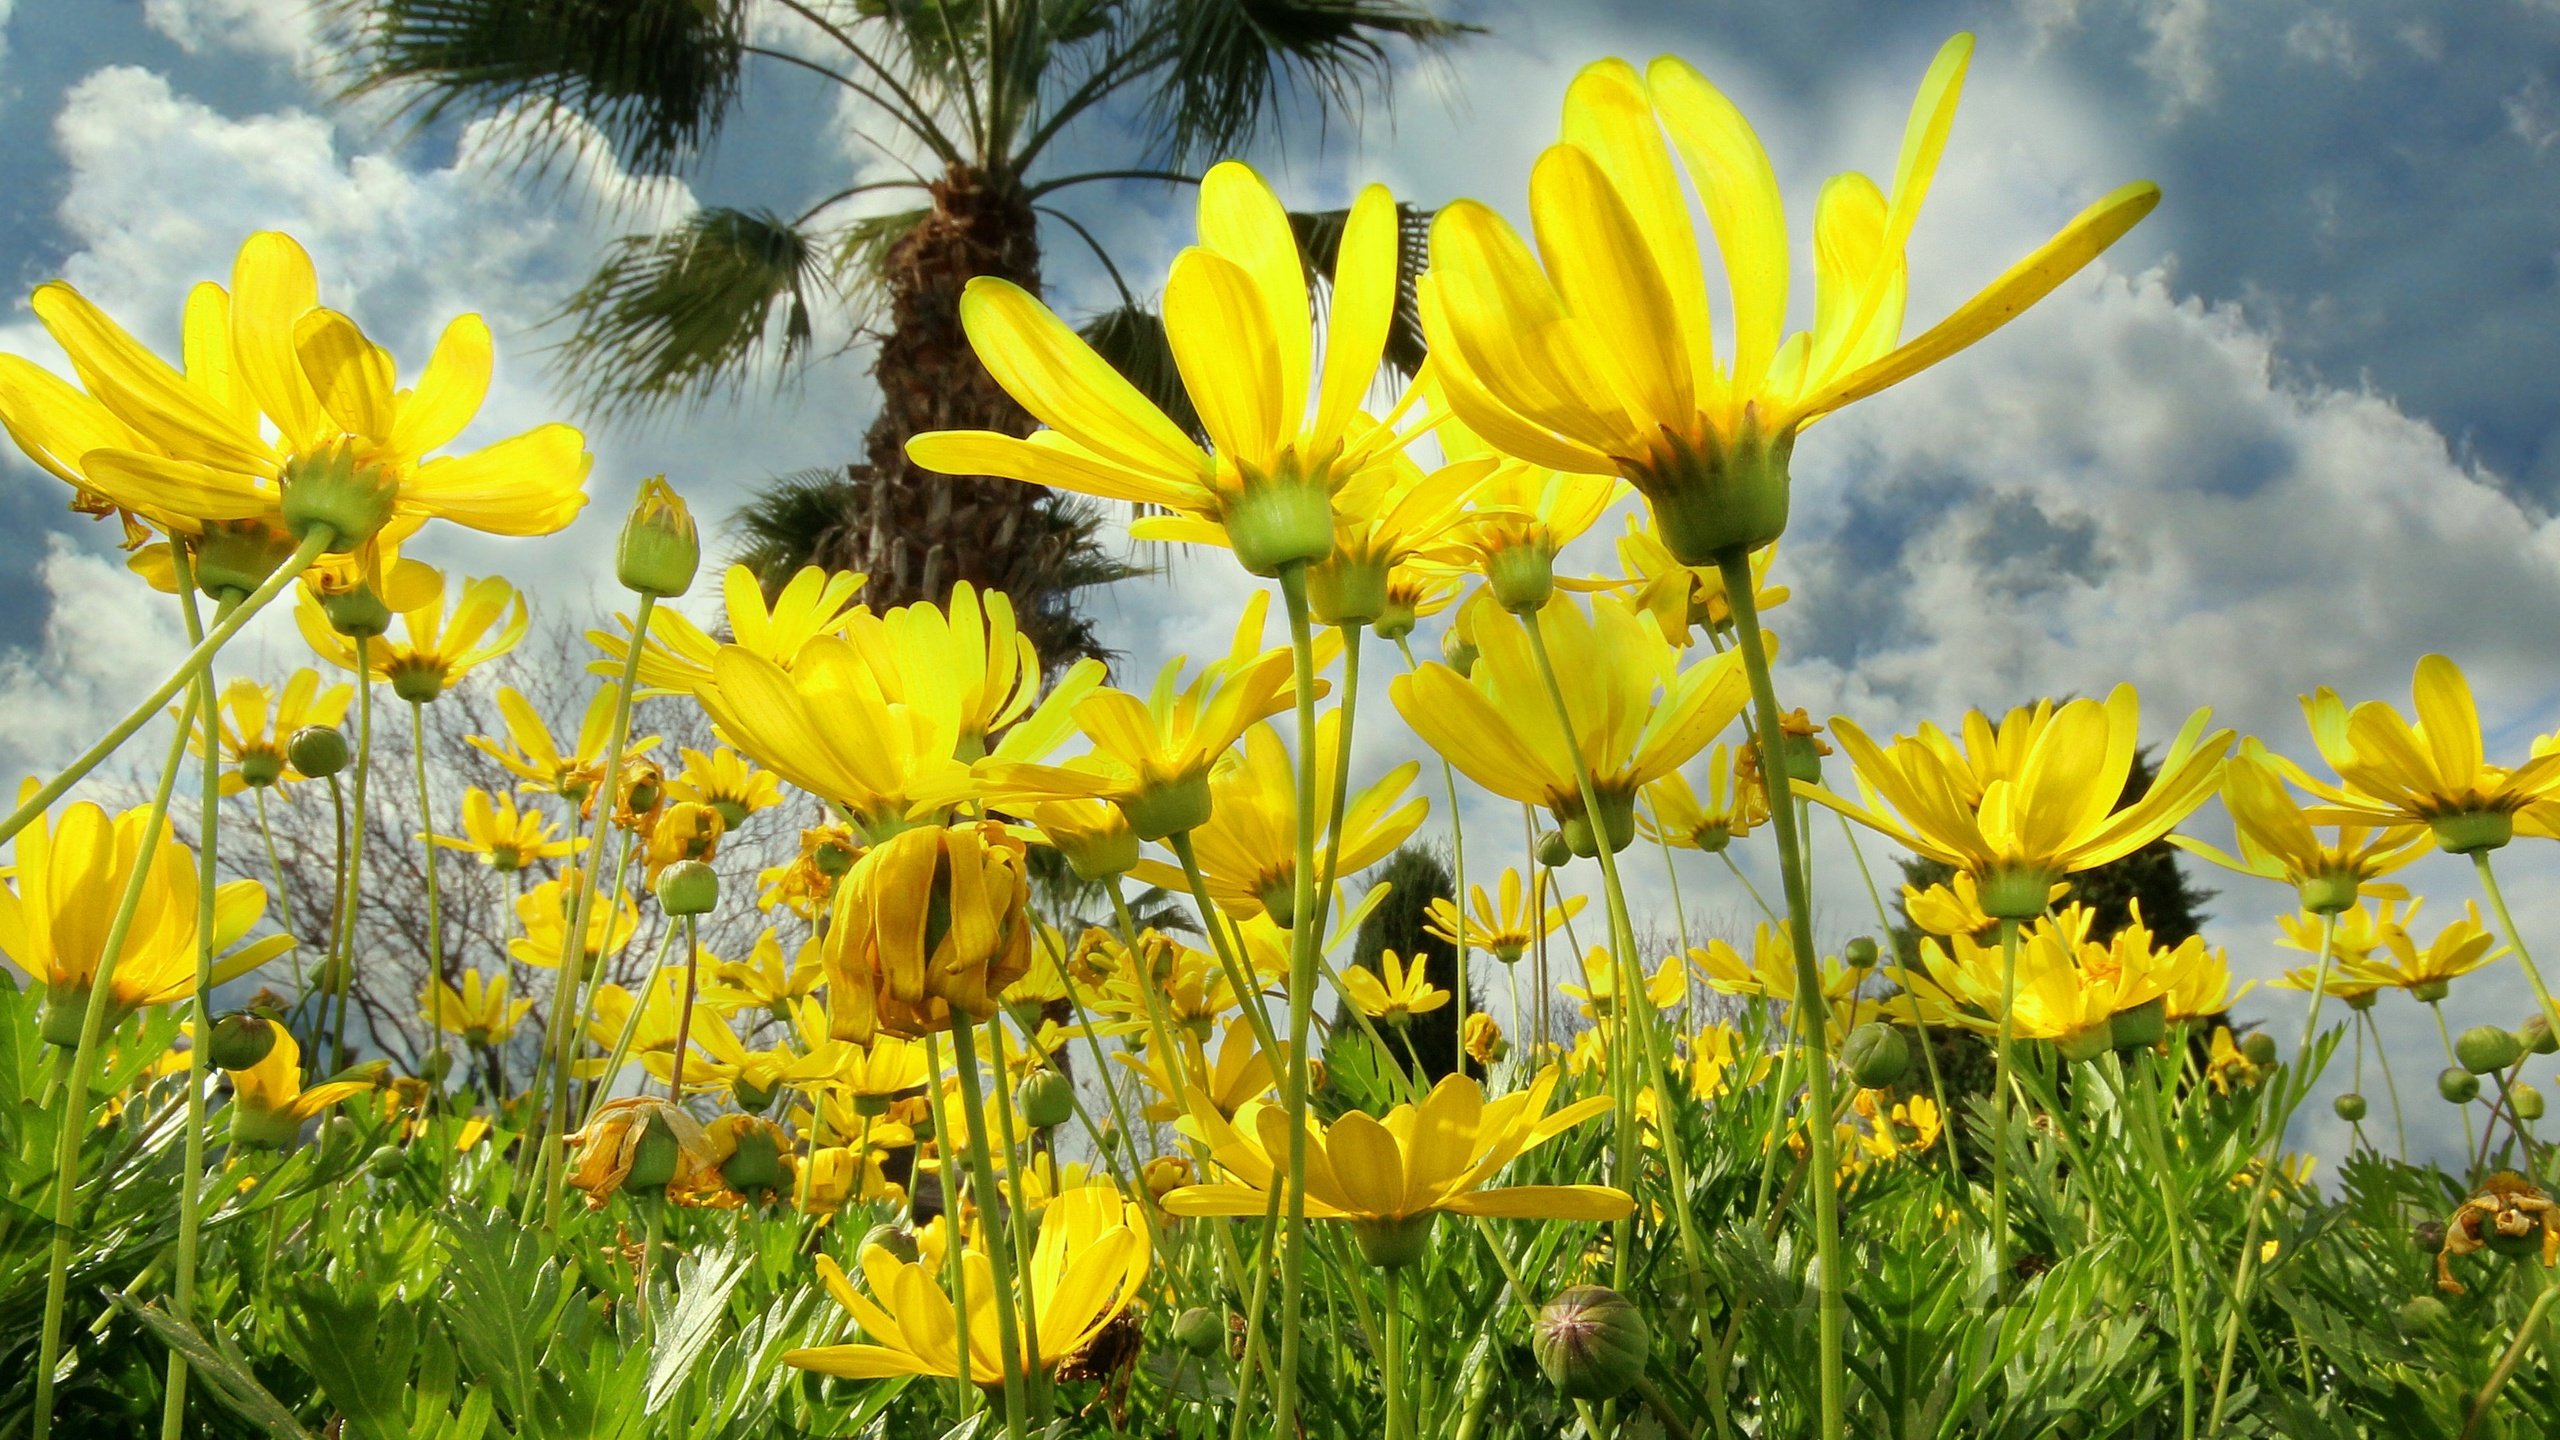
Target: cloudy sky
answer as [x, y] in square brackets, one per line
[2296, 430]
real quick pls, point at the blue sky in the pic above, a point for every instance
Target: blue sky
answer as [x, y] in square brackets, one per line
[2296, 430]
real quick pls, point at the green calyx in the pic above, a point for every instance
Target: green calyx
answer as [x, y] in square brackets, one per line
[2014, 893]
[1344, 589]
[1280, 520]
[1392, 1244]
[1617, 821]
[1712, 494]
[2144, 1025]
[1168, 809]
[1522, 578]
[236, 559]
[2471, 832]
[417, 684]
[2330, 894]
[331, 487]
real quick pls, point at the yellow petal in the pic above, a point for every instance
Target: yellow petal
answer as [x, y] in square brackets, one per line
[1361, 309]
[528, 484]
[54, 421]
[1546, 1202]
[2448, 719]
[1243, 223]
[272, 285]
[1222, 341]
[1607, 113]
[1048, 458]
[350, 374]
[449, 391]
[1366, 1164]
[1734, 178]
[1605, 272]
[141, 388]
[1056, 376]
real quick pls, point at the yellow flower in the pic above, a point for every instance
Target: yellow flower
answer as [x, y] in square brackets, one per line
[434, 650]
[543, 911]
[195, 451]
[2432, 773]
[1247, 850]
[505, 838]
[1598, 993]
[727, 783]
[1188, 985]
[529, 752]
[268, 1101]
[2200, 980]
[1506, 931]
[2458, 949]
[2276, 840]
[1637, 716]
[2226, 1067]
[1241, 1074]
[479, 1012]
[1682, 599]
[2021, 806]
[1152, 757]
[1605, 362]
[678, 656]
[257, 721]
[1955, 908]
[686, 830]
[1736, 802]
[1390, 1177]
[660, 1029]
[970, 658]
[1395, 992]
[1482, 1038]
[930, 926]
[763, 981]
[56, 910]
[1771, 970]
[2070, 989]
[2360, 931]
[1236, 318]
[807, 884]
[805, 1059]
[1088, 1264]
[1521, 518]
[1092, 836]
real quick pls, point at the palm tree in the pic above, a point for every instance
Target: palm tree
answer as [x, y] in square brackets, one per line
[981, 93]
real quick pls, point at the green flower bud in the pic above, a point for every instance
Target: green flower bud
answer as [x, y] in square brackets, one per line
[2424, 1315]
[439, 1064]
[2350, 1107]
[2525, 1101]
[2535, 1035]
[892, 1239]
[2428, 1236]
[660, 550]
[1860, 953]
[2485, 1049]
[1200, 1330]
[1876, 1054]
[1590, 1343]
[1553, 852]
[2457, 1085]
[1457, 651]
[239, 1040]
[1045, 1098]
[2259, 1047]
[688, 887]
[318, 751]
[386, 1162]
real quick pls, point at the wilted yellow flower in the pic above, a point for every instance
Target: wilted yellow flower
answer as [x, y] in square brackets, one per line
[641, 1143]
[1087, 1265]
[807, 884]
[687, 830]
[1604, 361]
[1682, 599]
[505, 838]
[1482, 1038]
[2021, 806]
[1237, 319]
[1637, 716]
[929, 922]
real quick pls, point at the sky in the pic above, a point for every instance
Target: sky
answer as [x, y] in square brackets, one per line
[2294, 431]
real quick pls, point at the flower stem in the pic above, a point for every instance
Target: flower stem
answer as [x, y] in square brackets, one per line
[84, 1057]
[2000, 1096]
[1303, 940]
[275, 869]
[550, 1140]
[197, 659]
[982, 1180]
[1735, 566]
[341, 970]
[2280, 1115]
[2390, 1085]
[1018, 1162]
[1928, 1044]
[182, 1291]
[1391, 1368]
[684, 1015]
[427, 836]
[2444, 1032]
[1458, 887]
[2515, 939]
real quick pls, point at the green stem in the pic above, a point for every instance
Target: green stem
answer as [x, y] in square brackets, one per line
[2280, 1115]
[1391, 1377]
[1748, 888]
[1458, 884]
[427, 827]
[2390, 1084]
[2173, 1213]
[182, 1294]
[982, 1180]
[197, 659]
[550, 1143]
[630, 1032]
[1017, 1162]
[337, 896]
[275, 869]
[2507, 1362]
[84, 1056]
[1735, 566]
[684, 1013]
[2444, 1032]
[342, 965]
[1303, 940]
[1919, 1021]
[2515, 939]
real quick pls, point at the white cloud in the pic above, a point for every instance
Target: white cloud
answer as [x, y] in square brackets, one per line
[289, 29]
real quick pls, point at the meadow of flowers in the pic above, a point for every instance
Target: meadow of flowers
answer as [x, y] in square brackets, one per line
[1273, 1146]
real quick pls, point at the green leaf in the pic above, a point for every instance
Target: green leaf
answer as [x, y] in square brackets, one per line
[503, 1298]
[223, 1373]
[703, 1283]
[360, 1349]
[671, 317]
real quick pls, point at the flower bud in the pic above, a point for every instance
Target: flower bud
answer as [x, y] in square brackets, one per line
[318, 751]
[688, 887]
[2457, 1085]
[1165, 1174]
[1876, 1054]
[1590, 1343]
[439, 1061]
[659, 550]
[755, 1159]
[239, 1040]
[1200, 1330]
[931, 923]
[1553, 852]
[2485, 1049]
[2535, 1035]
[1045, 1098]
[2259, 1047]
[2350, 1107]
[2525, 1101]
[1457, 651]
[386, 1162]
[891, 1239]
[1483, 1037]
[2423, 1315]
[1860, 953]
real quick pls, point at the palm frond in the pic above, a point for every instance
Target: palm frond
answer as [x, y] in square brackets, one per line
[1234, 63]
[793, 521]
[655, 77]
[1320, 241]
[672, 317]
